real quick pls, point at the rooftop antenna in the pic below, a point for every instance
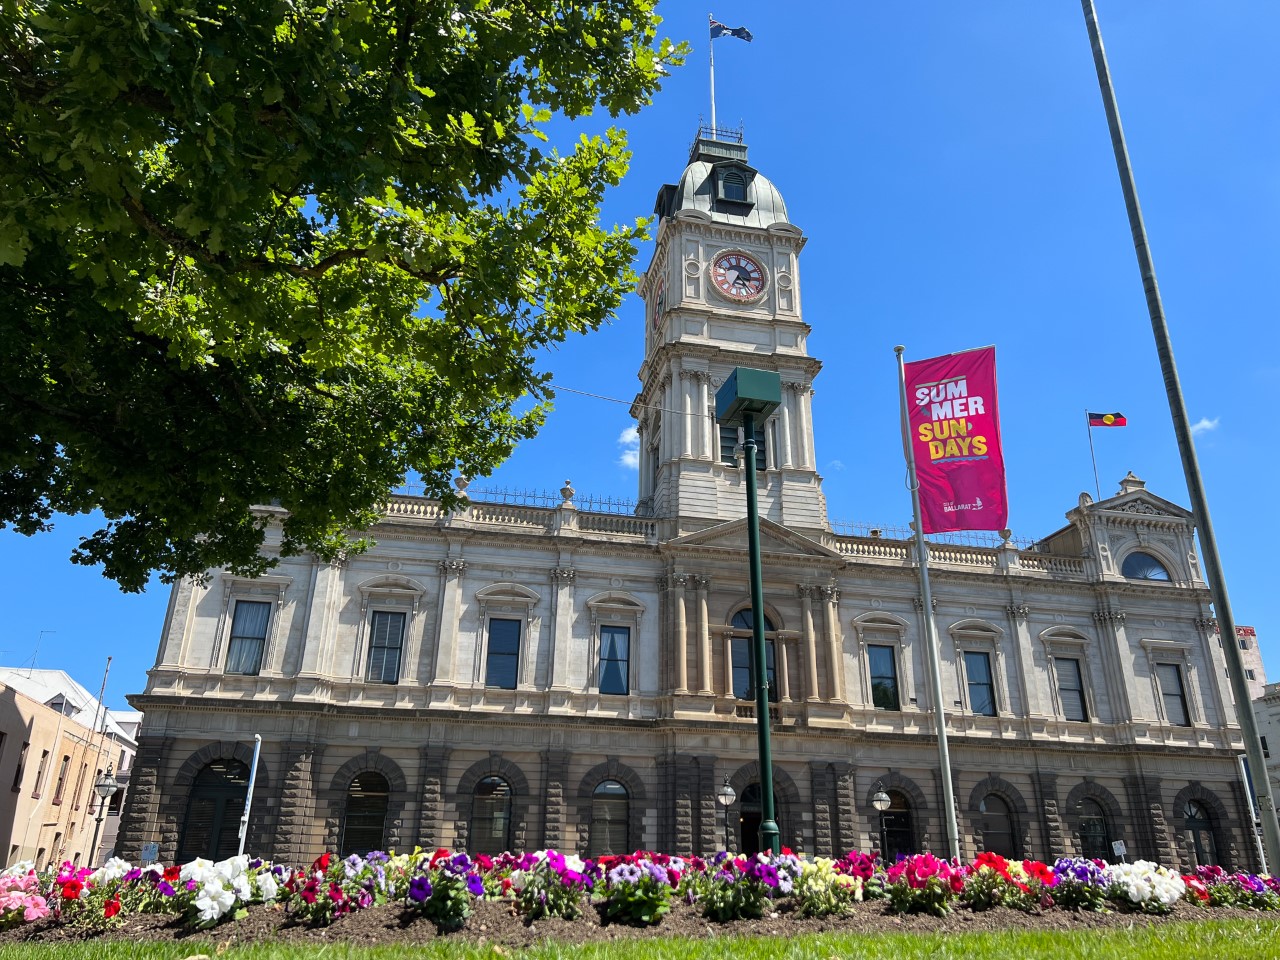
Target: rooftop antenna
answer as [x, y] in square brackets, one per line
[36, 651]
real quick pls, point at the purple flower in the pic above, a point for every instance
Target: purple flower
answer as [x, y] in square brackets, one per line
[459, 863]
[419, 889]
[165, 889]
[625, 873]
[131, 876]
[376, 856]
[475, 885]
[657, 872]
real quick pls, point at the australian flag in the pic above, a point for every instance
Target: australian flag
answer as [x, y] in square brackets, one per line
[718, 29]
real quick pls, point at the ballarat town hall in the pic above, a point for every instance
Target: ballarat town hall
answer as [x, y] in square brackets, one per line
[512, 676]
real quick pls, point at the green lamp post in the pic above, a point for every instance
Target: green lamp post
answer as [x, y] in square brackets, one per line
[749, 394]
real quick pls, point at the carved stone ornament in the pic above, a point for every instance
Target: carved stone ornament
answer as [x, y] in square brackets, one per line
[453, 568]
[1019, 611]
[831, 593]
[563, 574]
[1137, 506]
[1109, 616]
[919, 604]
[701, 582]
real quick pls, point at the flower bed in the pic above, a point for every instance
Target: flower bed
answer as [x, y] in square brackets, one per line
[445, 888]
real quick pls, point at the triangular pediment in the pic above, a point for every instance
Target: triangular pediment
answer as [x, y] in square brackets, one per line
[775, 540]
[1143, 503]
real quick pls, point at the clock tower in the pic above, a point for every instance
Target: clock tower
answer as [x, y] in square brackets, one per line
[723, 291]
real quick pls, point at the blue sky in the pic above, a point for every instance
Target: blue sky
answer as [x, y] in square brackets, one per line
[950, 165]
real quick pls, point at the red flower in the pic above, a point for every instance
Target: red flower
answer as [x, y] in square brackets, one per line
[993, 860]
[440, 854]
[71, 890]
[1039, 871]
[172, 874]
[112, 907]
[321, 863]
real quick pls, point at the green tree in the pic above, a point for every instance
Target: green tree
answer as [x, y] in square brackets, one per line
[272, 252]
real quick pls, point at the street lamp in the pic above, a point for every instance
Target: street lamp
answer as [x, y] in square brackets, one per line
[745, 395]
[882, 802]
[725, 797]
[105, 787]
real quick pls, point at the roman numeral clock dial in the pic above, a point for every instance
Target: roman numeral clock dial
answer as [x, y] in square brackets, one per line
[738, 277]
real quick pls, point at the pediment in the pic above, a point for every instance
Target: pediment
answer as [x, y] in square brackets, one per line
[1140, 503]
[775, 541]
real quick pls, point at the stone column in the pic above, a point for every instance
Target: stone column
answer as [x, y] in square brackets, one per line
[846, 812]
[1117, 662]
[709, 837]
[812, 693]
[705, 685]
[680, 640]
[322, 620]
[686, 407]
[1030, 680]
[555, 787]
[299, 761]
[140, 819]
[824, 820]
[1055, 836]
[707, 429]
[728, 663]
[559, 653]
[831, 617]
[1146, 807]
[433, 764]
[784, 413]
[784, 676]
[450, 612]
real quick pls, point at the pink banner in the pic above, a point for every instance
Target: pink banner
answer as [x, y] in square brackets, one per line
[955, 430]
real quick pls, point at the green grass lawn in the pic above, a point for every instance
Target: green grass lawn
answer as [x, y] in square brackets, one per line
[1218, 940]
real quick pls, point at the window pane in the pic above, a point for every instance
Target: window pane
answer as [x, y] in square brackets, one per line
[997, 827]
[884, 677]
[491, 816]
[729, 445]
[250, 619]
[977, 667]
[502, 662]
[1169, 676]
[609, 813]
[386, 638]
[742, 686]
[614, 646]
[1071, 689]
[366, 816]
[248, 637]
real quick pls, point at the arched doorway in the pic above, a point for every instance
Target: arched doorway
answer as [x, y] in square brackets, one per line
[750, 816]
[899, 838]
[491, 817]
[211, 828]
[998, 828]
[610, 812]
[1095, 831]
[1198, 830]
[365, 820]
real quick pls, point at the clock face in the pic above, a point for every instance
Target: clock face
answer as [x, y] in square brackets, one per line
[659, 302]
[738, 277]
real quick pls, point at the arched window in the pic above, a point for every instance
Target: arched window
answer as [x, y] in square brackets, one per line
[750, 816]
[743, 623]
[610, 812]
[491, 817]
[1143, 566]
[733, 186]
[366, 814]
[998, 827]
[211, 828]
[1199, 833]
[897, 837]
[1095, 832]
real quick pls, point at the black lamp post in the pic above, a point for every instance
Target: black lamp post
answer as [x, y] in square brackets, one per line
[882, 802]
[746, 395]
[105, 787]
[725, 797]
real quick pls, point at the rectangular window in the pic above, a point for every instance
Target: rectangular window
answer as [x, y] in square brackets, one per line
[742, 687]
[1071, 688]
[248, 637]
[615, 660]
[386, 637]
[114, 804]
[1249, 674]
[503, 660]
[982, 691]
[62, 779]
[22, 766]
[1169, 676]
[75, 793]
[44, 762]
[1266, 751]
[884, 677]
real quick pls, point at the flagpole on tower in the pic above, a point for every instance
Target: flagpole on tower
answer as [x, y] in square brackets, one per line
[1088, 423]
[711, 52]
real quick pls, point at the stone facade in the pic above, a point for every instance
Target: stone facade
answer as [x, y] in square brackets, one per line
[559, 676]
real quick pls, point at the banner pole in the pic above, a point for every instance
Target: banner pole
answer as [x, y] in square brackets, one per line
[1092, 456]
[1186, 446]
[930, 638]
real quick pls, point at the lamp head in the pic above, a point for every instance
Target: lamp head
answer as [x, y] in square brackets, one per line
[757, 392]
[881, 800]
[106, 785]
[726, 794]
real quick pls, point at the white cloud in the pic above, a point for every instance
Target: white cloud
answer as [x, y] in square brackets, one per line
[836, 465]
[629, 441]
[1204, 425]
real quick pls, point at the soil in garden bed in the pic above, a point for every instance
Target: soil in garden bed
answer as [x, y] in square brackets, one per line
[496, 922]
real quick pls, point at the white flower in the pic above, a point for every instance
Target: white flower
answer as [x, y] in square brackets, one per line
[240, 885]
[214, 900]
[198, 870]
[232, 867]
[574, 862]
[267, 886]
[112, 870]
[20, 869]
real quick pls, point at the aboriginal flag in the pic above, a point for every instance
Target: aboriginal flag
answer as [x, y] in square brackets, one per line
[1107, 420]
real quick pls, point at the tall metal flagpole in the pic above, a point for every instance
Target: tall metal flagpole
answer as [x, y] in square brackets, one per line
[1186, 447]
[711, 51]
[930, 637]
[1092, 456]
